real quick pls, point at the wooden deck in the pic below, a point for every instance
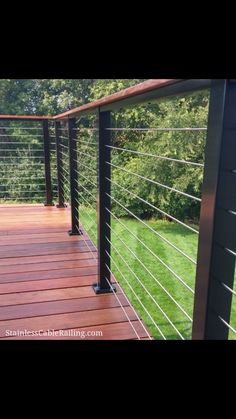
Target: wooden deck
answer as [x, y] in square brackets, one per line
[45, 281]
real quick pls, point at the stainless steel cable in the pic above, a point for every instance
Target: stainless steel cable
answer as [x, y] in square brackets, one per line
[142, 285]
[154, 182]
[138, 299]
[87, 167]
[64, 154]
[85, 142]
[158, 258]
[158, 234]
[228, 288]
[164, 289]
[62, 167]
[158, 209]
[158, 129]
[88, 203]
[85, 177]
[86, 190]
[87, 214]
[228, 325]
[156, 156]
[87, 155]
[148, 249]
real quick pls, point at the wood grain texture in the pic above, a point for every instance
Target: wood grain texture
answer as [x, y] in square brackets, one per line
[144, 87]
[46, 281]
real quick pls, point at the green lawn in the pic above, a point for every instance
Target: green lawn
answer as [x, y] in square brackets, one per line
[152, 277]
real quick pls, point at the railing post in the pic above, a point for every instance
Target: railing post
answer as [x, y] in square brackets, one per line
[73, 179]
[216, 264]
[48, 181]
[60, 182]
[104, 203]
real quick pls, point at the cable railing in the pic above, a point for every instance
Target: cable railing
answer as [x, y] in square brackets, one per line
[22, 162]
[154, 199]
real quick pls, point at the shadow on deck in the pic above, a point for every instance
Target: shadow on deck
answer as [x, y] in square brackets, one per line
[46, 278]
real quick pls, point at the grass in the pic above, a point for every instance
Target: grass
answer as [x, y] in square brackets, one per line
[149, 276]
[137, 269]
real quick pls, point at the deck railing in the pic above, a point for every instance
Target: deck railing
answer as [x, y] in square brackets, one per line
[189, 294]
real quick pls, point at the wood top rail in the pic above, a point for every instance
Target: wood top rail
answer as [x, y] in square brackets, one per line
[148, 90]
[138, 89]
[25, 117]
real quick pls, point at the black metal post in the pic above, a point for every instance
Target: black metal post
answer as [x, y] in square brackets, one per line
[73, 179]
[60, 182]
[104, 203]
[47, 149]
[216, 264]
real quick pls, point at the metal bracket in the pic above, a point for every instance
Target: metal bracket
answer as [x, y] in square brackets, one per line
[98, 290]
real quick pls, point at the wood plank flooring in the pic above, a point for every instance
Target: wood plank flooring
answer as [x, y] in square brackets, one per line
[46, 278]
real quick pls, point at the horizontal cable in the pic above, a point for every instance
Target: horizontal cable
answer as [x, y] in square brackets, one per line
[158, 258]
[65, 170]
[21, 192]
[66, 189]
[20, 135]
[154, 182]
[90, 230]
[123, 309]
[157, 129]
[155, 279]
[146, 247]
[136, 296]
[156, 208]
[87, 214]
[126, 315]
[12, 179]
[16, 149]
[115, 281]
[65, 178]
[87, 148]
[86, 142]
[93, 252]
[88, 180]
[88, 203]
[65, 163]
[87, 167]
[64, 138]
[227, 324]
[21, 158]
[86, 190]
[87, 155]
[65, 193]
[228, 288]
[230, 251]
[151, 252]
[85, 129]
[150, 228]
[16, 142]
[141, 283]
[23, 184]
[21, 128]
[18, 164]
[25, 198]
[64, 154]
[156, 156]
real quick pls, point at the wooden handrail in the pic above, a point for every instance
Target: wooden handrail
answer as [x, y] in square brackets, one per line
[25, 117]
[148, 90]
[136, 90]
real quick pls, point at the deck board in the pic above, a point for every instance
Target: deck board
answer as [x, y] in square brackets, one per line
[46, 278]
